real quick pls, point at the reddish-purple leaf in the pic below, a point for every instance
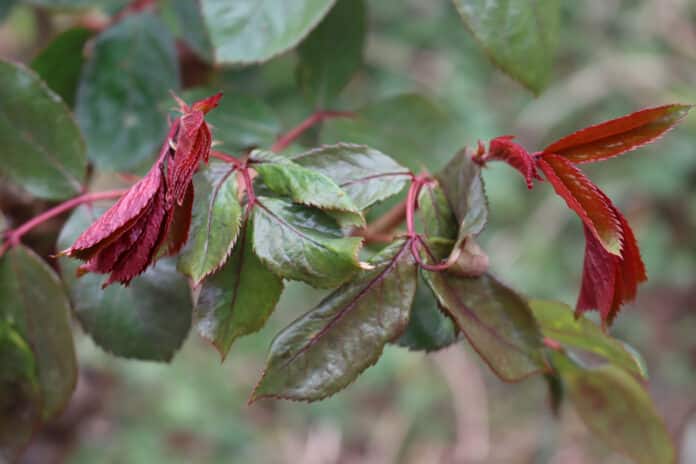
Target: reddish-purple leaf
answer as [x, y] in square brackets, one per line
[617, 136]
[583, 197]
[504, 149]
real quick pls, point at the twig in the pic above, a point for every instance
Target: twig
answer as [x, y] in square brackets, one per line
[293, 134]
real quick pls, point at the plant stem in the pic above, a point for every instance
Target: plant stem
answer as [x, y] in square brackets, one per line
[12, 237]
[293, 134]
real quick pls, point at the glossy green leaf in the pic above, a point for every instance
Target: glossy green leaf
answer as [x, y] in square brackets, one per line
[186, 20]
[436, 214]
[429, 329]
[253, 31]
[124, 92]
[323, 71]
[411, 128]
[557, 321]
[42, 149]
[463, 186]
[215, 223]
[329, 346]
[497, 322]
[368, 176]
[519, 37]
[301, 243]
[238, 299]
[240, 121]
[147, 320]
[303, 185]
[618, 410]
[60, 63]
[35, 304]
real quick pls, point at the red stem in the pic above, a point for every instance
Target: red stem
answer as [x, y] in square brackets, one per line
[226, 158]
[293, 134]
[13, 236]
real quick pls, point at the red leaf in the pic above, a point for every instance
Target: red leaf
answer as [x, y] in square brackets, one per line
[504, 149]
[617, 136]
[583, 197]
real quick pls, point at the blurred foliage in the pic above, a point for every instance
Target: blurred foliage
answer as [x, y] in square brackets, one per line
[613, 57]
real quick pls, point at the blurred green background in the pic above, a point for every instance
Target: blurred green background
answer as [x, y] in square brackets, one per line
[615, 56]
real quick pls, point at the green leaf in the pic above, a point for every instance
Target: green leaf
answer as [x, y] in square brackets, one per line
[303, 185]
[497, 322]
[109, 6]
[20, 399]
[215, 223]
[519, 37]
[147, 320]
[463, 186]
[238, 299]
[60, 63]
[557, 321]
[253, 31]
[5, 8]
[366, 175]
[411, 128]
[329, 346]
[323, 71]
[186, 20]
[123, 92]
[301, 243]
[240, 121]
[618, 410]
[436, 215]
[428, 328]
[35, 303]
[42, 149]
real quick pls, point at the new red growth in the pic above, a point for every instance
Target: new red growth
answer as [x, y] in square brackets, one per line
[154, 215]
[613, 267]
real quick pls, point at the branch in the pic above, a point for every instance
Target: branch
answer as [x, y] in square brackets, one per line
[293, 134]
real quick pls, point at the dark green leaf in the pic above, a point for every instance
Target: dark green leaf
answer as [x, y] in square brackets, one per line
[618, 410]
[303, 185]
[436, 214]
[366, 175]
[496, 321]
[215, 224]
[428, 328]
[557, 321]
[42, 149]
[463, 186]
[186, 19]
[238, 299]
[240, 121]
[6, 8]
[323, 70]
[412, 129]
[124, 90]
[302, 243]
[60, 63]
[253, 31]
[328, 347]
[556, 392]
[147, 320]
[519, 37]
[109, 6]
[35, 304]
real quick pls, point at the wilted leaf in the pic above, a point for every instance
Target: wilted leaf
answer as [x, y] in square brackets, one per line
[60, 63]
[302, 243]
[558, 323]
[147, 320]
[323, 70]
[42, 148]
[366, 175]
[253, 31]
[618, 410]
[463, 187]
[519, 37]
[413, 129]
[497, 322]
[124, 92]
[302, 184]
[216, 220]
[429, 329]
[329, 346]
[238, 299]
[620, 135]
[35, 304]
